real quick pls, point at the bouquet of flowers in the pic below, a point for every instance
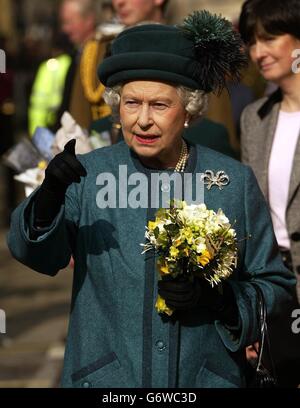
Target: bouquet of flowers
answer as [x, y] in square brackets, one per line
[191, 241]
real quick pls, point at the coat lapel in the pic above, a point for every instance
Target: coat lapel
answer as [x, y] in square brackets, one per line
[295, 175]
[264, 151]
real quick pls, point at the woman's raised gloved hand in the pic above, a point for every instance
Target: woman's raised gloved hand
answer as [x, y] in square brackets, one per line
[63, 170]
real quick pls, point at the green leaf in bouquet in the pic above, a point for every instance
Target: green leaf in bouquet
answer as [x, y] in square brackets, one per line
[156, 232]
[171, 229]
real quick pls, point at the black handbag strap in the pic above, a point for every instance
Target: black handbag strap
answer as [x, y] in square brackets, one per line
[264, 339]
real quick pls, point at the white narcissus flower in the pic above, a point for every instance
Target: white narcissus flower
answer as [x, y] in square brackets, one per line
[222, 219]
[231, 232]
[193, 213]
[151, 238]
[201, 247]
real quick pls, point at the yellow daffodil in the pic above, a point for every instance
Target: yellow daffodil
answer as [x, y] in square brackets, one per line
[42, 164]
[177, 242]
[186, 251]
[204, 258]
[174, 252]
[161, 306]
[152, 225]
[189, 236]
[163, 267]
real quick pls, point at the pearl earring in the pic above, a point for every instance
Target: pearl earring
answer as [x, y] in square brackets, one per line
[186, 124]
[117, 125]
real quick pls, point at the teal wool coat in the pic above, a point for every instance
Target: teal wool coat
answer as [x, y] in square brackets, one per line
[116, 338]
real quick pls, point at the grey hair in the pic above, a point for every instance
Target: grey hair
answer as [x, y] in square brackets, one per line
[194, 101]
[112, 96]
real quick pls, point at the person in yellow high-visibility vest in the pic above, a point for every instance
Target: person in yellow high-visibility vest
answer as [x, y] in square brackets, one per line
[47, 92]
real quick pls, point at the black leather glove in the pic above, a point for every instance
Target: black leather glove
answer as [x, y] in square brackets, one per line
[182, 294]
[179, 293]
[63, 170]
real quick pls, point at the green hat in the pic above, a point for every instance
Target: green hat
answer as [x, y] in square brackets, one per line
[202, 53]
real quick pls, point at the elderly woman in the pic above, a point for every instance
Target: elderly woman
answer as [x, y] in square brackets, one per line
[157, 79]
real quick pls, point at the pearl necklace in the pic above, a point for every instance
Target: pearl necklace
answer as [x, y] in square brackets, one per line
[184, 154]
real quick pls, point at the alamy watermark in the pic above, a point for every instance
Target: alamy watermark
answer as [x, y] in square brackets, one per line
[2, 322]
[296, 63]
[139, 191]
[2, 62]
[296, 323]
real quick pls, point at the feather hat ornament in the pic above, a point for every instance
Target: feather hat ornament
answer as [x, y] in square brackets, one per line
[202, 53]
[219, 51]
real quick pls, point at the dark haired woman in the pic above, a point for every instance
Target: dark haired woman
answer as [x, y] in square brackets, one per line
[271, 144]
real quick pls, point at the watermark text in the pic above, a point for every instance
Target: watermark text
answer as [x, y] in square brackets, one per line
[2, 62]
[2, 322]
[296, 323]
[156, 191]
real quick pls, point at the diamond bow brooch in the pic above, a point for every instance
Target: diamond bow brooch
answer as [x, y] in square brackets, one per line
[219, 179]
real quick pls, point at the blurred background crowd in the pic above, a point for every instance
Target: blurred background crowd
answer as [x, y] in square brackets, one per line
[52, 51]
[43, 47]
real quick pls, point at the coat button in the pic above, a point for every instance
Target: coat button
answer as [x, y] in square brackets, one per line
[86, 384]
[160, 345]
[295, 236]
